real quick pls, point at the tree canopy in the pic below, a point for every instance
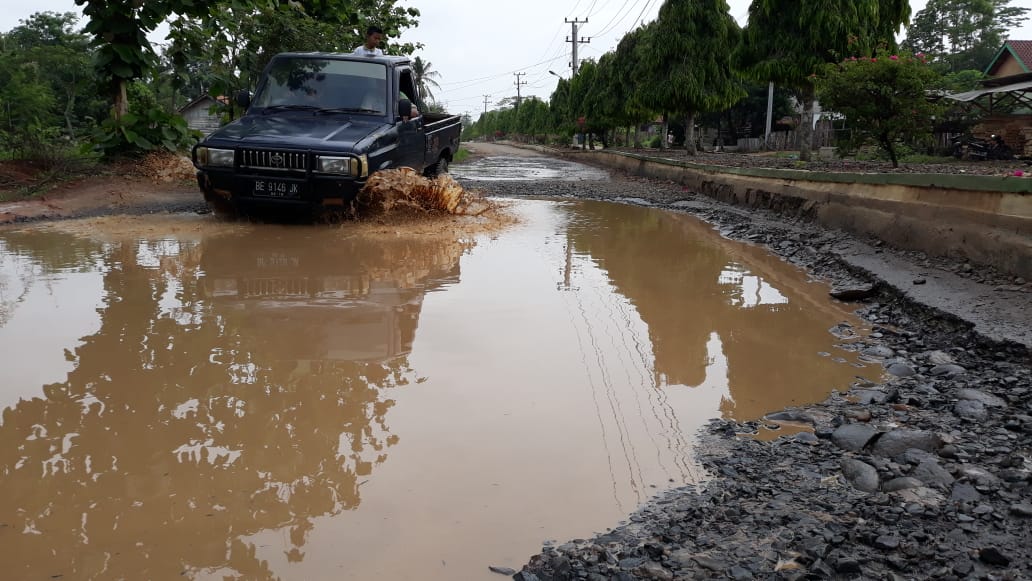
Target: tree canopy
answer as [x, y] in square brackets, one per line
[688, 62]
[962, 34]
[885, 98]
[787, 41]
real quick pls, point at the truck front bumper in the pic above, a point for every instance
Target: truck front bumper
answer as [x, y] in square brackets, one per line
[245, 190]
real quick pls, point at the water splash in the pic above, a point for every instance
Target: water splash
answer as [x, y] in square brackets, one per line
[404, 189]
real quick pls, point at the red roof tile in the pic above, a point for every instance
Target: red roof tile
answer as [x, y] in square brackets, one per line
[1020, 49]
[1023, 50]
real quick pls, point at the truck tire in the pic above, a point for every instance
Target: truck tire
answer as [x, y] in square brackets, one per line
[221, 207]
[438, 168]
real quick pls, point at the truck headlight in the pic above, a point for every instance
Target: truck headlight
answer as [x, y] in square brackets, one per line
[352, 166]
[213, 157]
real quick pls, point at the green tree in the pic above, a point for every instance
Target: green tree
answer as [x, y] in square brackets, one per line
[606, 101]
[963, 34]
[226, 50]
[26, 104]
[582, 87]
[626, 85]
[532, 118]
[788, 41]
[689, 60]
[49, 42]
[560, 112]
[424, 76]
[120, 28]
[884, 98]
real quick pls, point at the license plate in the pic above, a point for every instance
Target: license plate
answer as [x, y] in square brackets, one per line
[277, 189]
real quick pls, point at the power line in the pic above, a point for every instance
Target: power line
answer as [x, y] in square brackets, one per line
[604, 4]
[505, 74]
[474, 82]
[608, 25]
[638, 19]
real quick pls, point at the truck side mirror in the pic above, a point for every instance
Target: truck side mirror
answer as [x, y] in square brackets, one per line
[404, 108]
[243, 99]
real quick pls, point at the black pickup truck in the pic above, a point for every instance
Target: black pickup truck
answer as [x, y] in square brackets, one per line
[318, 125]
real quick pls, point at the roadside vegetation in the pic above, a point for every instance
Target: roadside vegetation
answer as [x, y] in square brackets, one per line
[831, 55]
[74, 94]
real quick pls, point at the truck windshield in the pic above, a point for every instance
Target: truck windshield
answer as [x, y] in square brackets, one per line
[324, 84]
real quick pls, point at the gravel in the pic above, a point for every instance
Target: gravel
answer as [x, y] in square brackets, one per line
[925, 475]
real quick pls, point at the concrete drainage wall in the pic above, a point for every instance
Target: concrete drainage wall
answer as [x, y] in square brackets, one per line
[984, 219]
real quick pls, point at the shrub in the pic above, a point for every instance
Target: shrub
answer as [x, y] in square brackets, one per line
[885, 99]
[138, 133]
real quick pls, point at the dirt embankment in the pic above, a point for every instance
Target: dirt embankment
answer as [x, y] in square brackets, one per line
[159, 182]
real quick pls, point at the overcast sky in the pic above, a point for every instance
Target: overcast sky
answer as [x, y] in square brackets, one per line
[478, 45]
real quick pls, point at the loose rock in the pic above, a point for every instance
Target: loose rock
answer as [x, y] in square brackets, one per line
[896, 442]
[861, 475]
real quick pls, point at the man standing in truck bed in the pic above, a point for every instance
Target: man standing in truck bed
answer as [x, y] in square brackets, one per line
[371, 47]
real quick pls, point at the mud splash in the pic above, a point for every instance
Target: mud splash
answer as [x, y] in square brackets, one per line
[405, 190]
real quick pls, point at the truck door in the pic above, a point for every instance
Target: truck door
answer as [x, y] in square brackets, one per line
[411, 137]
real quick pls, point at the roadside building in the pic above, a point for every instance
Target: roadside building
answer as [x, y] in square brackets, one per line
[1004, 98]
[200, 114]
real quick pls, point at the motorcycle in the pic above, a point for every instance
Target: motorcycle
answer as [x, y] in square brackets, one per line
[976, 148]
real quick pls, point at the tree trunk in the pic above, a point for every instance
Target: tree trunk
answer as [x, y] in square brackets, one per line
[121, 107]
[719, 145]
[806, 126]
[663, 133]
[887, 144]
[69, 109]
[689, 133]
[637, 136]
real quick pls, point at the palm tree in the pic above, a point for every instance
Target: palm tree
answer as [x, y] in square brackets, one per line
[424, 76]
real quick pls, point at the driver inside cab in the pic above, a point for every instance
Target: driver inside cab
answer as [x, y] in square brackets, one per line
[415, 110]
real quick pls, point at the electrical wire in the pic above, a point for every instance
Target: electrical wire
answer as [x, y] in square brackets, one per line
[610, 25]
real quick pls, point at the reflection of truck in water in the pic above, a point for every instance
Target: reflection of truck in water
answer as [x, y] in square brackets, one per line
[318, 125]
[333, 300]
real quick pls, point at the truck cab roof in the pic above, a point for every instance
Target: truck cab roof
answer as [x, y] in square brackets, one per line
[386, 59]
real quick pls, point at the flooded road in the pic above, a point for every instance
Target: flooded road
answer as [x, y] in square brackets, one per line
[274, 402]
[502, 163]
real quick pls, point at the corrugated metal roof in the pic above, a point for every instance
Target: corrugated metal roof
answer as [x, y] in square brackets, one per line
[972, 95]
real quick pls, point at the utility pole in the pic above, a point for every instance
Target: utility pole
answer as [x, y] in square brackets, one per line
[485, 103]
[572, 39]
[518, 83]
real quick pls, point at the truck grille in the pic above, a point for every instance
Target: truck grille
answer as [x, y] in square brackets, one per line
[274, 160]
[275, 287]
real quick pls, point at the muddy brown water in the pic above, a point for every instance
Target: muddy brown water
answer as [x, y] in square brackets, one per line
[263, 402]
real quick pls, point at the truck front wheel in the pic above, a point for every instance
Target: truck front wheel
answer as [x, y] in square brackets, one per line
[221, 207]
[438, 168]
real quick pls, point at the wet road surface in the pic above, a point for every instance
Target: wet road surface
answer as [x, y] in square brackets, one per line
[301, 403]
[527, 167]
